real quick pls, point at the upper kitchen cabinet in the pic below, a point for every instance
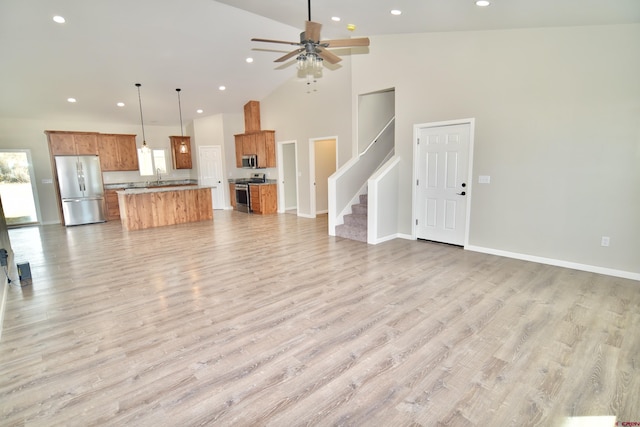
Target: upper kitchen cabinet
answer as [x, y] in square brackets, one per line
[262, 144]
[254, 141]
[181, 152]
[118, 152]
[63, 143]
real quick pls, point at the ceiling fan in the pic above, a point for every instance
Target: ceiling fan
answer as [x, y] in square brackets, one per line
[312, 50]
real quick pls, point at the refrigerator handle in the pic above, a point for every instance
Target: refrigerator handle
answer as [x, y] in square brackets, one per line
[81, 183]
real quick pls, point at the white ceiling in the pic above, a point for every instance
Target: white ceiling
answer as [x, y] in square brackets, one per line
[106, 46]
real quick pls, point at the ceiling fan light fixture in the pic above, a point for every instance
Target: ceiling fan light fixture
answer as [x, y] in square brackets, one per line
[483, 3]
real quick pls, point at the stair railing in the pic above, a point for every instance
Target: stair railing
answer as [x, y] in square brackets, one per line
[347, 182]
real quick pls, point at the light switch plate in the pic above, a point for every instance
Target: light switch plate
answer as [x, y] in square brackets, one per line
[484, 179]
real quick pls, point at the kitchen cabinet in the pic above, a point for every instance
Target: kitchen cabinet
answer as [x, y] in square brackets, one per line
[264, 198]
[63, 143]
[261, 143]
[232, 195]
[118, 152]
[181, 152]
[112, 211]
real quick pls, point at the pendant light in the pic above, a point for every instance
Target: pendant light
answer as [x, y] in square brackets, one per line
[183, 146]
[145, 147]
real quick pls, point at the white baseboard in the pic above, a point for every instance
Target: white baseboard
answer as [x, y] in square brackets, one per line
[306, 215]
[391, 237]
[559, 263]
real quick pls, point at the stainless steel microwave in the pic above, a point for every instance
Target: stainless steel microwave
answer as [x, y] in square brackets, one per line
[250, 161]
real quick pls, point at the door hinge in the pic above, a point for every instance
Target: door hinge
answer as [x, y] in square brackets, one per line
[417, 182]
[416, 221]
[418, 141]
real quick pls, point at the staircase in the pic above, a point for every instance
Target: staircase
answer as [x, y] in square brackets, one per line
[355, 223]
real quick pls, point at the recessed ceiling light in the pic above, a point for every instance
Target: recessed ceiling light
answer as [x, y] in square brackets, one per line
[59, 19]
[71, 100]
[222, 87]
[335, 18]
[200, 111]
[120, 104]
[249, 60]
[396, 12]
[483, 3]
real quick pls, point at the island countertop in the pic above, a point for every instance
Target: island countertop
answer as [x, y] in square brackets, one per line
[142, 208]
[145, 190]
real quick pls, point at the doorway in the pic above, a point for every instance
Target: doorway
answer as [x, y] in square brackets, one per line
[322, 164]
[17, 188]
[443, 181]
[287, 177]
[211, 173]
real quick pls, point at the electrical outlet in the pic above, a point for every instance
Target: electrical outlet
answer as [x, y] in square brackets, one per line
[604, 241]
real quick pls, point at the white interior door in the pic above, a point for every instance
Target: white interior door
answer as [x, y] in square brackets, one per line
[442, 183]
[211, 172]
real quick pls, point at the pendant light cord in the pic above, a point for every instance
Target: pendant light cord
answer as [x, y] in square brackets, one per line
[180, 109]
[309, 8]
[144, 140]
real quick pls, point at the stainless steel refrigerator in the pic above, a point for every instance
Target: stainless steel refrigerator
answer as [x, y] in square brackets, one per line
[81, 190]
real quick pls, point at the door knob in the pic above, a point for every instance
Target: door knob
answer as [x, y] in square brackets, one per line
[461, 194]
[464, 184]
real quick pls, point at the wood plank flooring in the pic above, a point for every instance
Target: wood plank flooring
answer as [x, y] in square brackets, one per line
[252, 320]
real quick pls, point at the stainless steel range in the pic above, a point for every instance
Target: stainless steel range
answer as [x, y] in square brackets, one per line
[243, 190]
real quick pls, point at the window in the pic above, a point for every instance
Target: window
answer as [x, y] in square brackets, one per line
[17, 189]
[151, 162]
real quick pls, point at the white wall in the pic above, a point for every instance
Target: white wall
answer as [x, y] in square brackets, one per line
[374, 112]
[557, 128]
[29, 134]
[296, 115]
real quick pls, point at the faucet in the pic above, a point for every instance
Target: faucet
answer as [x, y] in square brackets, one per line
[158, 175]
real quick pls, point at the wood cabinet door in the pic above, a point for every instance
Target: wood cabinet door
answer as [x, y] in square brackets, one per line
[239, 147]
[127, 153]
[108, 152]
[232, 195]
[113, 207]
[269, 139]
[256, 199]
[181, 160]
[260, 149]
[249, 144]
[86, 144]
[269, 199]
[61, 144]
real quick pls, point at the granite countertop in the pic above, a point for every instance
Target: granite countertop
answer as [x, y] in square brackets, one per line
[150, 184]
[267, 182]
[145, 190]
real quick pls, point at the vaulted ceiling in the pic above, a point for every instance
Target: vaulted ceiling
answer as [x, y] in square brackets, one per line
[106, 46]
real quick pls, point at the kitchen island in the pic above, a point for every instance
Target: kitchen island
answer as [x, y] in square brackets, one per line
[142, 208]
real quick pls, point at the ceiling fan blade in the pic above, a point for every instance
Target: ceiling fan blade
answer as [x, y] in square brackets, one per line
[312, 31]
[276, 41]
[330, 57]
[363, 41]
[289, 55]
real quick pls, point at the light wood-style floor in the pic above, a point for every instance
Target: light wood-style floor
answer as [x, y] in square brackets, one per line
[252, 320]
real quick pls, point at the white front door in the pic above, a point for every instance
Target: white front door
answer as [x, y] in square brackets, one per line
[442, 183]
[211, 173]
